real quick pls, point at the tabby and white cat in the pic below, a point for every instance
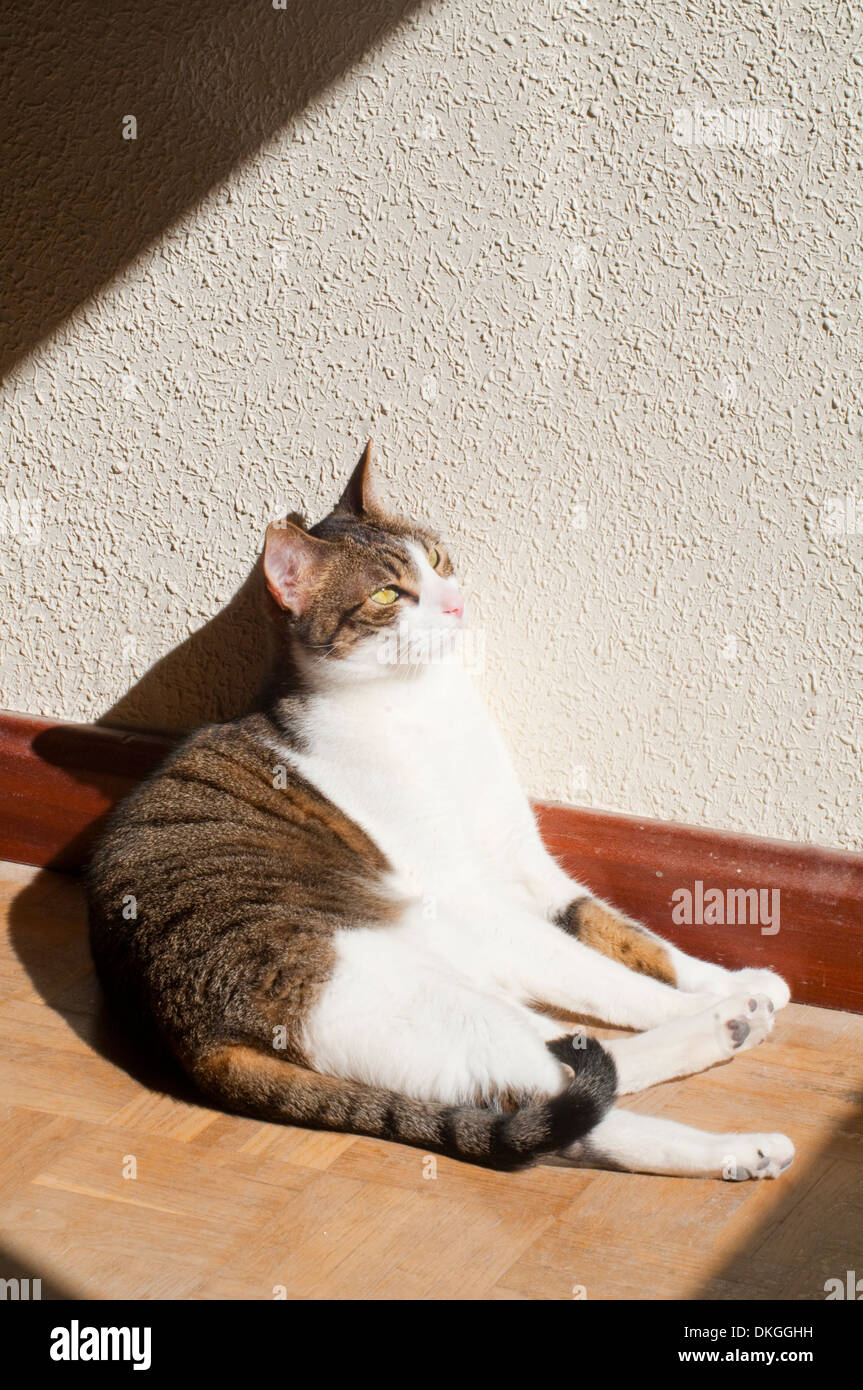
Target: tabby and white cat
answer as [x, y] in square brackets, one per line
[344, 916]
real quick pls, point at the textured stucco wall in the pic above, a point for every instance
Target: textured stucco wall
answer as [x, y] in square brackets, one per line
[614, 350]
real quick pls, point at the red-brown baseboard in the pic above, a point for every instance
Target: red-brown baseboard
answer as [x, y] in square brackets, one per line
[58, 782]
[638, 865]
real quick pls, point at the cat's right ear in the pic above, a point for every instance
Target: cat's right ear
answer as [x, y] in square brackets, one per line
[293, 561]
[356, 500]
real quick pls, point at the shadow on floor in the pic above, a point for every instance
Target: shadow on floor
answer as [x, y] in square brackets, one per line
[791, 1257]
[208, 81]
[48, 932]
[20, 1284]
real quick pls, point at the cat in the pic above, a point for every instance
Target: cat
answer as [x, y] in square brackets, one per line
[336, 910]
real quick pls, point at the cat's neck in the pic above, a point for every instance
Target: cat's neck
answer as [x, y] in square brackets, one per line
[296, 685]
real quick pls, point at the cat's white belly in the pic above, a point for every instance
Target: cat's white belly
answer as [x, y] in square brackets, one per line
[420, 767]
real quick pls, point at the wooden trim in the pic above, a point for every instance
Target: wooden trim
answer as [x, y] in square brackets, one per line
[59, 781]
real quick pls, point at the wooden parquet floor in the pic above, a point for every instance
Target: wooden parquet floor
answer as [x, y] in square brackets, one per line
[222, 1207]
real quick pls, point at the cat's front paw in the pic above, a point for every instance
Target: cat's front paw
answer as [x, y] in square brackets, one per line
[762, 982]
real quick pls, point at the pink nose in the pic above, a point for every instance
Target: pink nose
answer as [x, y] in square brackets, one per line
[456, 606]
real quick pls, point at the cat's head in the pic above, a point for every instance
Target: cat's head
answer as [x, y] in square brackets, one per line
[362, 591]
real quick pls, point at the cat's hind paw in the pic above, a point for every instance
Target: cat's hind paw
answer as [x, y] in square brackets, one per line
[756, 1156]
[744, 1021]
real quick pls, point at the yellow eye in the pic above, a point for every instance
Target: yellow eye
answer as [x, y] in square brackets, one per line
[384, 597]
[434, 558]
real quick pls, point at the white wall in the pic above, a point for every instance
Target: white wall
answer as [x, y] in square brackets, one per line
[622, 370]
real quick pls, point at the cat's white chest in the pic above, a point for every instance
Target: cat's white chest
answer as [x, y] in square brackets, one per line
[412, 762]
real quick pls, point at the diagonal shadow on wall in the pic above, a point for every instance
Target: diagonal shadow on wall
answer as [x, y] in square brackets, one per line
[207, 81]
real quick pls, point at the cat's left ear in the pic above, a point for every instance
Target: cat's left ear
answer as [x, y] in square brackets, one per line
[294, 564]
[356, 500]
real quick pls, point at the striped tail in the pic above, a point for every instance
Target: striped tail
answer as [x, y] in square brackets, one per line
[242, 1079]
